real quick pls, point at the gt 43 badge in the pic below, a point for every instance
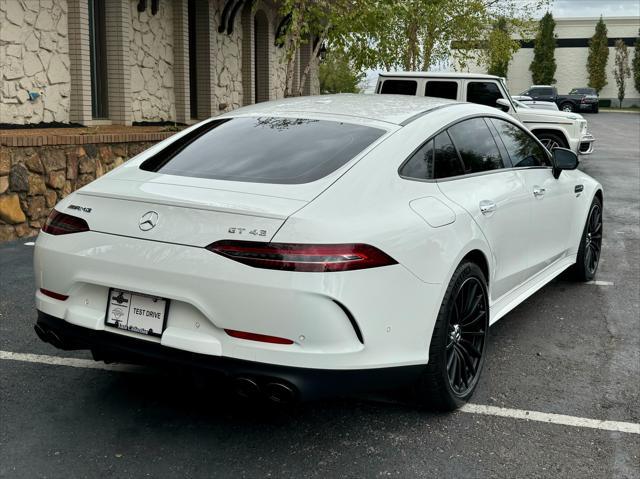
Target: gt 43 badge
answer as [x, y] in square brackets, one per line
[242, 231]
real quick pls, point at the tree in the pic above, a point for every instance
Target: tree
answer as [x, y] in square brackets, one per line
[417, 34]
[500, 48]
[317, 21]
[598, 57]
[389, 34]
[636, 64]
[621, 70]
[337, 75]
[543, 66]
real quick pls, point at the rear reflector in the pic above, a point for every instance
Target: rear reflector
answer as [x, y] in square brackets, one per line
[51, 294]
[63, 224]
[313, 258]
[257, 337]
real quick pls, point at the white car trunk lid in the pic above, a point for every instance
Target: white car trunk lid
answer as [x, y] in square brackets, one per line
[179, 213]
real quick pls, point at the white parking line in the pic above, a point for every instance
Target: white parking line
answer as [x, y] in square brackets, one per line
[618, 426]
[561, 419]
[600, 283]
[70, 362]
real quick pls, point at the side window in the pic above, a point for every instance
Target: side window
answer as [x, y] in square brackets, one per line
[476, 146]
[442, 89]
[523, 150]
[484, 93]
[400, 87]
[447, 162]
[420, 165]
[546, 91]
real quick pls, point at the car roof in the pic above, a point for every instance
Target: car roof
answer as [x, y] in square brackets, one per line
[439, 75]
[395, 109]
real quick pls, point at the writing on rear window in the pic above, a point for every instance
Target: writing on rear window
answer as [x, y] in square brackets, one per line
[264, 150]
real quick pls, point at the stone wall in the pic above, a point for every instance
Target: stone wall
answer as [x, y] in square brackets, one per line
[151, 57]
[33, 180]
[34, 58]
[228, 65]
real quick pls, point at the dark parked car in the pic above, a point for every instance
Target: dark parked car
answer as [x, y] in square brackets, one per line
[574, 101]
[589, 93]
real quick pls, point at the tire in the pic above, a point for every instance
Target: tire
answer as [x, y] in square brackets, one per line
[596, 108]
[453, 347]
[552, 140]
[568, 107]
[590, 247]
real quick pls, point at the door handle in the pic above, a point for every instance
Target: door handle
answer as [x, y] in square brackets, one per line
[538, 191]
[487, 207]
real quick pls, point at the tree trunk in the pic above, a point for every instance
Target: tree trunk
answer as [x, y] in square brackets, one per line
[291, 47]
[313, 58]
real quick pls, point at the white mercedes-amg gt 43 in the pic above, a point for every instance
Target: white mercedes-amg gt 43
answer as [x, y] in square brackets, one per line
[320, 244]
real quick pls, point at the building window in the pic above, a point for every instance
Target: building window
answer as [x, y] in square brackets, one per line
[261, 57]
[98, 57]
[193, 79]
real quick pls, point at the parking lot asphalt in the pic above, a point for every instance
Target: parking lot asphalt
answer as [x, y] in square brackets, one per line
[571, 349]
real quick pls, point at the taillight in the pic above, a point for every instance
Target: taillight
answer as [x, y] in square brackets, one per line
[63, 224]
[313, 258]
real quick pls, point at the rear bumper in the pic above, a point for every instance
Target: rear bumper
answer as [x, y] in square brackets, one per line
[367, 319]
[308, 382]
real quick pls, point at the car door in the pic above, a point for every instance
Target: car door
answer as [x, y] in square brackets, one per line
[493, 195]
[552, 200]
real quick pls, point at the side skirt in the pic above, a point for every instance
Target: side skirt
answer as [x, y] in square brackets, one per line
[512, 299]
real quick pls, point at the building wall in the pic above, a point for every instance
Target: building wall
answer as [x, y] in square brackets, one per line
[151, 60]
[572, 62]
[228, 65]
[34, 57]
[146, 79]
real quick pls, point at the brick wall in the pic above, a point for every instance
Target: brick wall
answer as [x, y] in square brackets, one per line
[37, 172]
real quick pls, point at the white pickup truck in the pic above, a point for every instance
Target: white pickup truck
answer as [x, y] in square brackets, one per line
[553, 128]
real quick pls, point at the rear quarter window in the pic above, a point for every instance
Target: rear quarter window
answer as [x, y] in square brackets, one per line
[264, 150]
[399, 87]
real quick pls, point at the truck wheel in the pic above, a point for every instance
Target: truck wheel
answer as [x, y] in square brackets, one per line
[551, 141]
[568, 107]
[596, 108]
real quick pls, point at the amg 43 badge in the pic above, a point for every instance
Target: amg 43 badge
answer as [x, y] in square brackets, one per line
[86, 209]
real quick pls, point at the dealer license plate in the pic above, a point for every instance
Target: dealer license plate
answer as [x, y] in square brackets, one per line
[138, 313]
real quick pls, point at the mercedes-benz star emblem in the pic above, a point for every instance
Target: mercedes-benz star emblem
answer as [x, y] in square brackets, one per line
[148, 221]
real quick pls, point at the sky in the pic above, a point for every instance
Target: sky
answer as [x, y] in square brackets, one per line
[595, 8]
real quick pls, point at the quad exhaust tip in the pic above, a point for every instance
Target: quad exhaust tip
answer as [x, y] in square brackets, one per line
[280, 393]
[246, 388]
[275, 392]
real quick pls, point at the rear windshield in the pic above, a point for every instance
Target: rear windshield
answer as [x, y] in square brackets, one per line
[264, 150]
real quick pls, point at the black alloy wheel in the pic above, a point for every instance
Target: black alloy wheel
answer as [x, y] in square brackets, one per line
[459, 342]
[467, 336]
[590, 247]
[593, 240]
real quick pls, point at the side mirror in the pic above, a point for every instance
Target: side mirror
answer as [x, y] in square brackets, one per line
[563, 159]
[503, 104]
